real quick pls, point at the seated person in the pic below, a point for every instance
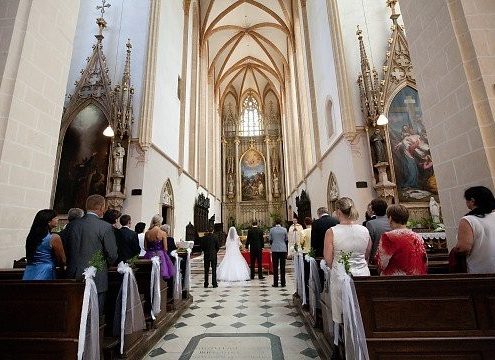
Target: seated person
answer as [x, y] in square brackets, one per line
[401, 251]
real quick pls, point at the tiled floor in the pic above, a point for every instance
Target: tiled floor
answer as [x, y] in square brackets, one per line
[238, 321]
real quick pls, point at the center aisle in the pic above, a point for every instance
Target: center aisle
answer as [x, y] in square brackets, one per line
[248, 320]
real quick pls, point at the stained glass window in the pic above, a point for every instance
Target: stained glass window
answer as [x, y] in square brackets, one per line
[251, 123]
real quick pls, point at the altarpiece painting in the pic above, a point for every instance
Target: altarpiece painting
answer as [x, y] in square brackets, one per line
[253, 176]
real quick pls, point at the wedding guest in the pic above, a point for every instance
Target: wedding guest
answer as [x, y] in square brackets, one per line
[279, 243]
[89, 236]
[170, 240]
[401, 251]
[111, 216]
[378, 225]
[305, 246]
[73, 214]
[319, 228]
[139, 229]
[127, 241]
[155, 243]
[294, 235]
[350, 241]
[368, 215]
[43, 250]
[476, 234]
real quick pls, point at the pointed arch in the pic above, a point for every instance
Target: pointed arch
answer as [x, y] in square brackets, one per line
[167, 202]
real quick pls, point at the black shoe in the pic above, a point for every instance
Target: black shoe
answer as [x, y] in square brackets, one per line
[261, 277]
[206, 285]
[215, 286]
[252, 277]
[283, 285]
[274, 285]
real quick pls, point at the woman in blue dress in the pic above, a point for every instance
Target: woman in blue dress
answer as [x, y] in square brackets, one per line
[43, 250]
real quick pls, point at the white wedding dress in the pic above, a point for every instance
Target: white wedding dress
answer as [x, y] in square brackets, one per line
[233, 266]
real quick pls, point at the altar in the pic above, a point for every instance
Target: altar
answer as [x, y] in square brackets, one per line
[266, 259]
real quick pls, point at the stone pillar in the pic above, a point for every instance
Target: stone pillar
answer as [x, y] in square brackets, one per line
[451, 45]
[268, 171]
[36, 61]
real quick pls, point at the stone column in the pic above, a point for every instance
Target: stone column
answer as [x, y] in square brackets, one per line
[31, 111]
[269, 171]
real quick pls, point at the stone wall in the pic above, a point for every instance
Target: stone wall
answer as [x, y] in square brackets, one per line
[36, 71]
[453, 50]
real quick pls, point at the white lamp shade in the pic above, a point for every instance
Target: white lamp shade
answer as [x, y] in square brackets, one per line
[382, 120]
[108, 131]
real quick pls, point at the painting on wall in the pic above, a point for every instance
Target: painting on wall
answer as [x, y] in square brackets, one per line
[253, 176]
[413, 165]
[84, 160]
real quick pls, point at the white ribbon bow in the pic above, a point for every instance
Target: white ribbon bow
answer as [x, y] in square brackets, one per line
[155, 287]
[355, 338]
[178, 278]
[126, 270]
[90, 299]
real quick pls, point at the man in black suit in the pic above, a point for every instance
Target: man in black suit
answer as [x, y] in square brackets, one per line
[88, 236]
[319, 229]
[127, 240]
[255, 242]
[210, 245]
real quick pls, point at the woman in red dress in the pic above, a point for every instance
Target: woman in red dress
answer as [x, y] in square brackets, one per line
[401, 251]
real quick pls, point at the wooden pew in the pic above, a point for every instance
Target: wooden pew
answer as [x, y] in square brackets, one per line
[39, 320]
[428, 317]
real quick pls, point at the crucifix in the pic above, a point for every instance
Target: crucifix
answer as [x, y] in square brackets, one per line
[411, 108]
[101, 8]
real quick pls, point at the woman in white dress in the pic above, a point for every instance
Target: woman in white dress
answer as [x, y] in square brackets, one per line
[233, 266]
[352, 240]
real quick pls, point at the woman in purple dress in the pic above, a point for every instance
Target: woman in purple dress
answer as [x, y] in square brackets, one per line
[155, 244]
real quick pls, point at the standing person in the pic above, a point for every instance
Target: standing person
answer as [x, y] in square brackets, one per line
[127, 241]
[43, 250]
[319, 228]
[368, 215]
[279, 243]
[210, 245]
[73, 214]
[294, 235]
[255, 243]
[305, 246]
[170, 240]
[155, 243]
[377, 226]
[476, 234]
[139, 229]
[88, 236]
[401, 251]
[233, 266]
[352, 239]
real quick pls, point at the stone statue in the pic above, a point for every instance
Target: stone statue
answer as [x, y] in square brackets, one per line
[333, 190]
[230, 185]
[276, 189]
[118, 159]
[434, 210]
[230, 165]
[378, 146]
[166, 198]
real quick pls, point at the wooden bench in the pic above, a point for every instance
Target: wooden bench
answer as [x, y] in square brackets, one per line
[39, 320]
[428, 317]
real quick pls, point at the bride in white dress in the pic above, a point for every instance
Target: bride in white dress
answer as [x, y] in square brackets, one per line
[233, 266]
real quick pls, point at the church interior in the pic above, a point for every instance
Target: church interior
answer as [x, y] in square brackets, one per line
[220, 114]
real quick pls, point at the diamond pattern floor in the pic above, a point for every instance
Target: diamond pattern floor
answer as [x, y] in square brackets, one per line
[237, 309]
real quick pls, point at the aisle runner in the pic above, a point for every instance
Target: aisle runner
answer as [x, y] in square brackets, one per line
[234, 346]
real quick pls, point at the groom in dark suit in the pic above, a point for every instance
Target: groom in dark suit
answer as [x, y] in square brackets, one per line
[255, 243]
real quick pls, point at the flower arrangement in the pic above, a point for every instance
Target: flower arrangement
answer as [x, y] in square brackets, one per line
[97, 260]
[344, 259]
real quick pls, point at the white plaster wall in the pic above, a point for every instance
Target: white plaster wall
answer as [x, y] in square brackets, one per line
[157, 169]
[347, 165]
[324, 71]
[373, 18]
[126, 19]
[168, 67]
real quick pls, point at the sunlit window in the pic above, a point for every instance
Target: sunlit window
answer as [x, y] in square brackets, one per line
[251, 124]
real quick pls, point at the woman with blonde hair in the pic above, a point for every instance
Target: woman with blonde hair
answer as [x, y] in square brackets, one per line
[349, 243]
[155, 244]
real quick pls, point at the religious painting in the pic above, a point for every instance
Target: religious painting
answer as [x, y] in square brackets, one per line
[84, 160]
[413, 165]
[253, 176]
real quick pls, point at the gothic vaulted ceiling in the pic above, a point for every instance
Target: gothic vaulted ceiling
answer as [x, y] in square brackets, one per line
[247, 42]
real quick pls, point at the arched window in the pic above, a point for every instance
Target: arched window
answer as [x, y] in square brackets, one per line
[251, 123]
